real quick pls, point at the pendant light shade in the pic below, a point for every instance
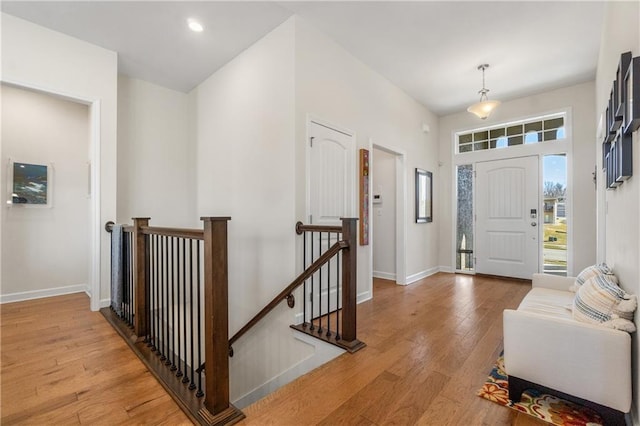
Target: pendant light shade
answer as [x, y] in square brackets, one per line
[485, 107]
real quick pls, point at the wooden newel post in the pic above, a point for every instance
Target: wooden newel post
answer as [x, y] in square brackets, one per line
[141, 279]
[349, 284]
[217, 409]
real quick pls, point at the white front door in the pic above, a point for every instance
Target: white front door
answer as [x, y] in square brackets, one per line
[332, 196]
[507, 217]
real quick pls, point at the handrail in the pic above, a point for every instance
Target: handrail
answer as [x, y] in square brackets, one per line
[326, 256]
[196, 234]
[300, 228]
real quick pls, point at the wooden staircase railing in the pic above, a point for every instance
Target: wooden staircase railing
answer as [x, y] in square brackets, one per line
[341, 306]
[165, 284]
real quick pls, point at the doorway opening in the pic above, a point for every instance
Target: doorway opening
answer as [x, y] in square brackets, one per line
[388, 208]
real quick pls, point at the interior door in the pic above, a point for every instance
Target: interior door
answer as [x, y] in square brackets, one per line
[332, 192]
[507, 217]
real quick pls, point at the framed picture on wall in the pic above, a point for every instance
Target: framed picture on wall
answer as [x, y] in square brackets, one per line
[29, 184]
[424, 196]
[632, 97]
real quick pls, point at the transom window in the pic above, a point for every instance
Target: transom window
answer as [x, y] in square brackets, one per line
[541, 129]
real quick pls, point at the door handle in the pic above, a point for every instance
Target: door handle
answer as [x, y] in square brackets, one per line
[534, 223]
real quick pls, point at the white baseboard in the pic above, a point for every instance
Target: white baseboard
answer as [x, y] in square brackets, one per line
[424, 274]
[363, 297]
[105, 303]
[323, 353]
[447, 269]
[39, 294]
[384, 275]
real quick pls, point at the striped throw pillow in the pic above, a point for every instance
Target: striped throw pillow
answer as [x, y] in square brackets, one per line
[601, 301]
[592, 271]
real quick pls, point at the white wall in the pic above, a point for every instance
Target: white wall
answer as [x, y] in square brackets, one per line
[154, 155]
[34, 56]
[621, 224]
[245, 161]
[335, 86]
[46, 249]
[580, 100]
[383, 215]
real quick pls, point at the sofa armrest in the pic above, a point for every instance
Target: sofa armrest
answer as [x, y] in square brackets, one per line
[583, 360]
[554, 282]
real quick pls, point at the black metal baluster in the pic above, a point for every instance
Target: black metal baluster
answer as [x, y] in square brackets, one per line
[178, 305]
[329, 288]
[156, 337]
[199, 393]
[165, 274]
[338, 295]
[320, 285]
[152, 292]
[185, 379]
[167, 360]
[132, 294]
[192, 385]
[304, 267]
[172, 314]
[125, 273]
[147, 284]
[311, 298]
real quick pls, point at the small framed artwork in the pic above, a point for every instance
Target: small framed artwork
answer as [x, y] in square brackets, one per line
[632, 97]
[623, 66]
[615, 121]
[29, 184]
[609, 135]
[364, 197]
[623, 163]
[424, 196]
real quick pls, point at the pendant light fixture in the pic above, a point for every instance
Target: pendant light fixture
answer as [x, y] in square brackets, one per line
[485, 107]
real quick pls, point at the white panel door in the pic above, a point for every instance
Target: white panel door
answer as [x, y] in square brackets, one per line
[332, 196]
[506, 229]
[332, 175]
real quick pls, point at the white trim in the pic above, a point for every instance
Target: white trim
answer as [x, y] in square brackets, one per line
[323, 353]
[563, 146]
[105, 303]
[364, 296]
[39, 294]
[424, 274]
[94, 149]
[384, 275]
[447, 269]
[401, 210]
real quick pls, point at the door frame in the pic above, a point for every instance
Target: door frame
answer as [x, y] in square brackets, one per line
[401, 210]
[540, 149]
[93, 286]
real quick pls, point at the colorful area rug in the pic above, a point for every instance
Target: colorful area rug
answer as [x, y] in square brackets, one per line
[542, 406]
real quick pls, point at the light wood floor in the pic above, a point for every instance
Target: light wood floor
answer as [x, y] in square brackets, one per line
[429, 348]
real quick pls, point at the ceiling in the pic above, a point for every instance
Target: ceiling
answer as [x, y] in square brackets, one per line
[429, 49]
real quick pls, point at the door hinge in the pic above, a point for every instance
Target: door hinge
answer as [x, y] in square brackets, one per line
[310, 219]
[311, 141]
[310, 297]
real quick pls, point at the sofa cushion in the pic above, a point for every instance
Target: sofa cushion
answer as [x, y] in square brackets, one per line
[545, 301]
[592, 271]
[601, 301]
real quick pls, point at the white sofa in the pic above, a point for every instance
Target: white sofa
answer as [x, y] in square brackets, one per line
[546, 349]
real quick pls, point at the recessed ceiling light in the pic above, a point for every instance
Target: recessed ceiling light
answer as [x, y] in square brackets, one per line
[195, 26]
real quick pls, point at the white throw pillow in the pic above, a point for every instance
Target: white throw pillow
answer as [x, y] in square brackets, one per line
[592, 271]
[601, 301]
